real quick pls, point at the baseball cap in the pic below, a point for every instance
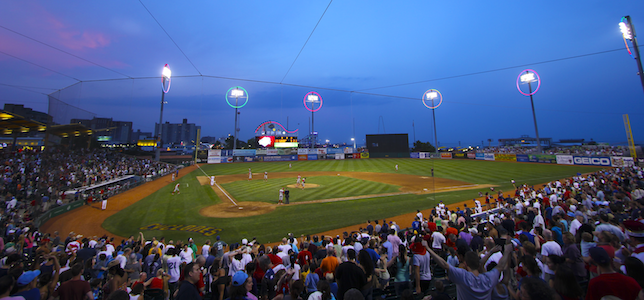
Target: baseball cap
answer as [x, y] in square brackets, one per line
[28, 277]
[634, 228]
[599, 255]
[239, 278]
[244, 242]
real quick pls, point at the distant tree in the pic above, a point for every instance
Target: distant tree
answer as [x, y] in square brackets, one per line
[217, 145]
[489, 142]
[228, 143]
[252, 143]
[423, 147]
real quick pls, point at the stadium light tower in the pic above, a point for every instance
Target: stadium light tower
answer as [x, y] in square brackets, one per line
[435, 99]
[165, 78]
[628, 33]
[236, 92]
[312, 98]
[528, 76]
[354, 143]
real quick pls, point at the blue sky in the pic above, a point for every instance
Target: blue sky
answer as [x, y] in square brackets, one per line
[367, 59]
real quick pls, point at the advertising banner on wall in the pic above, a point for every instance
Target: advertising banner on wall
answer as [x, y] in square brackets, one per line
[280, 157]
[302, 156]
[505, 157]
[321, 151]
[488, 156]
[312, 157]
[460, 155]
[339, 156]
[622, 161]
[348, 150]
[543, 158]
[480, 156]
[287, 151]
[302, 151]
[226, 159]
[471, 155]
[260, 152]
[272, 152]
[244, 152]
[564, 160]
[414, 154]
[592, 161]
[446, 155]
[249, 158]
[523, 158]
[334, 150]
[214, 159]
[364, 155]
[214, 152]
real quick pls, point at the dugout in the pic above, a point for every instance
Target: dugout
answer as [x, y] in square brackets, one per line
[388, 145]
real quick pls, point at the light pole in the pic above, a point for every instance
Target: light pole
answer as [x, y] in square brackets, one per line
[313, 98]
[165, 77]
[528, 76]
[354, 143]
[628, 33]
[433, 96]
[236, 92]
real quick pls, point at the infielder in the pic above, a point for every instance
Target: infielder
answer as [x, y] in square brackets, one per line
[212, 180]
[250, 174]
[265, 176]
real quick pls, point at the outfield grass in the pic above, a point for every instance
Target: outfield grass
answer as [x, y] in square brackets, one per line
[329, 187]
[161, 207]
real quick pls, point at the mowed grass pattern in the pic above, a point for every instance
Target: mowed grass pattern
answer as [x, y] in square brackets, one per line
[163, 208]
[329, 187]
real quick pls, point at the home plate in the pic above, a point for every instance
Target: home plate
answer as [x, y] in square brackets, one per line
[240, 207]
[424, 189]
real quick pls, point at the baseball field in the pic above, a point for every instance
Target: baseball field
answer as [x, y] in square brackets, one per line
[337, 194]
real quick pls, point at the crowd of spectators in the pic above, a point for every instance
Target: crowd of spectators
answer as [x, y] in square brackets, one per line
[586, 150]
[578, 238]
[35, 181]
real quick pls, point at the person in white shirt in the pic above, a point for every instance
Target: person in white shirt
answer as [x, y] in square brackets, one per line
[438, 239]
[186, 254]
[548, 248]
[205, 249]
[576, 223]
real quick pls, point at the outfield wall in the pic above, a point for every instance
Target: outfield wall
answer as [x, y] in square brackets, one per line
[216, 156]
[561, 159]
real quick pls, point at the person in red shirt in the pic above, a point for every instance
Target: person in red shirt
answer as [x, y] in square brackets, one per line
[305, 256]
[609, 282]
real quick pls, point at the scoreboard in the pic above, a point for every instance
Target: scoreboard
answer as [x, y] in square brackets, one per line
[277, 141]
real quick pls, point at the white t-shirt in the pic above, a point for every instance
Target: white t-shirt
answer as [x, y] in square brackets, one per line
[574, 225]
[205, 250]
[174, 268]
[548, 248]
[438, 239]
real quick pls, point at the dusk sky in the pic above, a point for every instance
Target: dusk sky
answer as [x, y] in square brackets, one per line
[369, 60]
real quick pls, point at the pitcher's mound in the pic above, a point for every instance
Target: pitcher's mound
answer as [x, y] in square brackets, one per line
[228, 210]
[306, 186]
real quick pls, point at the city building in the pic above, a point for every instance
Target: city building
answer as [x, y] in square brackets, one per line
[183, 133]
[28, 113]
[107, 130]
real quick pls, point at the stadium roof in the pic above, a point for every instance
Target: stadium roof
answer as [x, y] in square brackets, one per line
[11, 123]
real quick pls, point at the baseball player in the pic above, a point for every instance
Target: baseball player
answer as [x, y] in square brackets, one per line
[176, 189]
[212, 180]
[265, 176]
[250, 174]
[281, 196]
[299, 181]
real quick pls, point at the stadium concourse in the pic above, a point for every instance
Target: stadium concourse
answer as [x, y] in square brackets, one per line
[567, 239]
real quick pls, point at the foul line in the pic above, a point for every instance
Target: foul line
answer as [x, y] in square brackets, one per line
[222, 190]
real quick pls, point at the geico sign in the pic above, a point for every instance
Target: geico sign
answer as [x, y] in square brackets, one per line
[598, 161]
